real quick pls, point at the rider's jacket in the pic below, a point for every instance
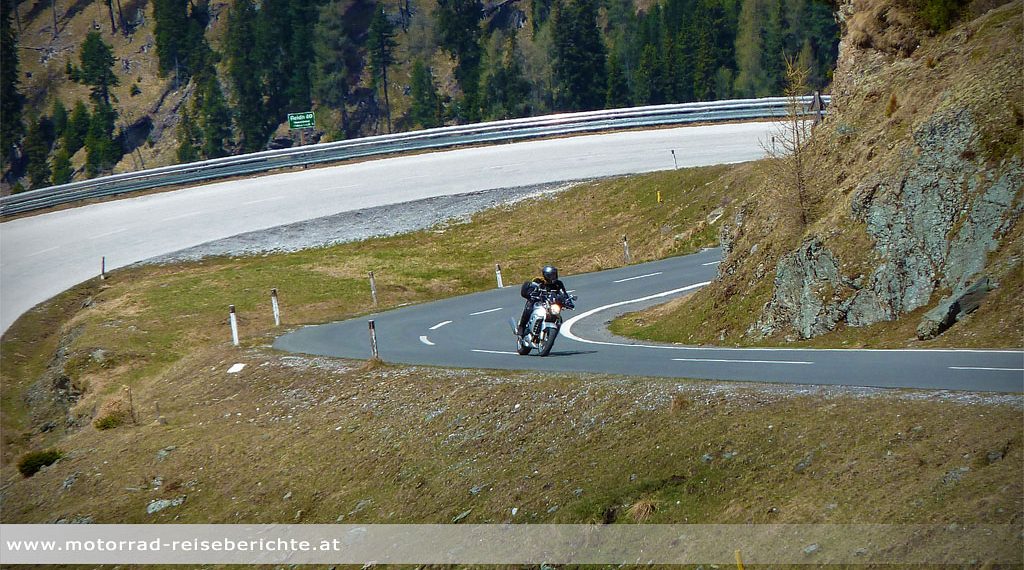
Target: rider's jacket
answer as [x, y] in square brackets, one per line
[539, 284]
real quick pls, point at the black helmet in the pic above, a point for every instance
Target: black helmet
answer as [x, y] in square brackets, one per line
[550, 274]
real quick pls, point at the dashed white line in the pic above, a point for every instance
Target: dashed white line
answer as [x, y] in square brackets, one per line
[990, 369]
[637, 277]
[484, 312]
[47, 250]
[711, 263]
[495, 352]
[440, 324]
[180, 216]
[264, 200]
[425, 340]
[742, 361]
[109, 233]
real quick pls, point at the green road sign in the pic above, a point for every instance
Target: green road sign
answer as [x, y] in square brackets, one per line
[301, 120]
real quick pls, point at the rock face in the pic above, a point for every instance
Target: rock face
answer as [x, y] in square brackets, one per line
[937, 197]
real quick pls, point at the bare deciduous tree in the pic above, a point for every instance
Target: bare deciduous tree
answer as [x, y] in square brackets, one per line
[787, 150]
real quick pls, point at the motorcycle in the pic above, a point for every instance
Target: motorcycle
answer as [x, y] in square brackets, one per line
[544, 323]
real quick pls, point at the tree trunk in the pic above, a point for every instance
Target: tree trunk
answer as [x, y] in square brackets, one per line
[53, 4]
[120, 16]
[110, 8]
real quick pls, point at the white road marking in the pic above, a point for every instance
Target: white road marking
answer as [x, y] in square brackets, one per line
[711, 263]
[109, 233]
[440, 324]
[47, 250]
[981, 368]
[485, 312]
[425, 340]
[495, 352]
[180, 216]
[566, 331]
[743, 361]
[264, 200]
[637, 277]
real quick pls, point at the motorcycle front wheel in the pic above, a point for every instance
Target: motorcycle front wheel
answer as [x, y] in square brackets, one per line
[549, 342]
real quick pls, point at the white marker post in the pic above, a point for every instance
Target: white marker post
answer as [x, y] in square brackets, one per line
[373, 289]
[625, 250]
[497, 272]
[674, 161]
[103, 268]
[234, 325]
[373, 340]
[276, 306]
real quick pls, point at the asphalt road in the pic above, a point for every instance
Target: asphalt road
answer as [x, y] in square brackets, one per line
[43, 255]
[473, 332]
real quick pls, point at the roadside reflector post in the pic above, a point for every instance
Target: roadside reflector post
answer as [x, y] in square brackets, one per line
[625, 250]
[373, 340]
[234, 325]
[497, 272]
[276, 306]
[674, 161]
[103, 268]
[373, 289]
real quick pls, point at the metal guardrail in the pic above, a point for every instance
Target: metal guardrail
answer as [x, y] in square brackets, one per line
[497, 131]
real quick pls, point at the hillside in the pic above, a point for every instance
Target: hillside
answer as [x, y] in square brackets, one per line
[914, 195]
[205, 79]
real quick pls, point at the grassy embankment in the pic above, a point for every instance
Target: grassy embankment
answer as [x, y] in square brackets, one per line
[291, 439]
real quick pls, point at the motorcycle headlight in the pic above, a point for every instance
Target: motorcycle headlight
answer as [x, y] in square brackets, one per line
[555, 309]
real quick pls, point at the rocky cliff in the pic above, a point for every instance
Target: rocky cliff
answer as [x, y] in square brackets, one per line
[915, 194]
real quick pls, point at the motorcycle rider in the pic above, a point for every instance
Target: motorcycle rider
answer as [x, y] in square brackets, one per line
[548, 281]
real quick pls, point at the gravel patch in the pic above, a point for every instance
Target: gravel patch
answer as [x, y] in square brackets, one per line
[363, 224]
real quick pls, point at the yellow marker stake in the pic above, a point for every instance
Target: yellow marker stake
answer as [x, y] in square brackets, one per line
[739, 561]
[659, 196]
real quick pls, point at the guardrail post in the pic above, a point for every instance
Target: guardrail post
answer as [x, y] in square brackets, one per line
[625, 250]
[497, 273]
[373, 289]
[276, 307]
[373, 340]
[234, 325]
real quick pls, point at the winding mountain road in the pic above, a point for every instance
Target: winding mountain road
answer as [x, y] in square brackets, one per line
[473, 332]
[43, 255]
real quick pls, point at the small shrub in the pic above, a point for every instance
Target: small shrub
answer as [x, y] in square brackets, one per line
[32, 462]
[642, 510]
[134, 90]
[679, 403]
[892, 106]
[115, 412]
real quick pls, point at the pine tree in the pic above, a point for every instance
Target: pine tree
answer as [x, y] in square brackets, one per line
[300, 55]
[11, 126]
[617, 95]
[506, 92]
[338, 61]
[188, 139]
[750, 81]
[381, 46]
[97, 67]
[60, 118]
[458, 28]
[216, 119]
[578, 57]
[425, 111]
[37, 151]
[244, 72]
[77, 128]
[103, 152]
[62, 171]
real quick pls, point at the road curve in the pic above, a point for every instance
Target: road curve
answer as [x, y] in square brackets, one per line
[473, 332]
[43, 255]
